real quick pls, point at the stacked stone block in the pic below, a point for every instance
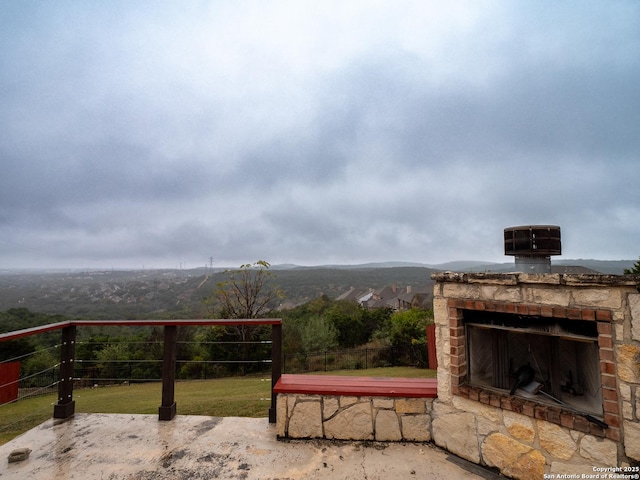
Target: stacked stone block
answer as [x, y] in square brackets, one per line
[354, 418]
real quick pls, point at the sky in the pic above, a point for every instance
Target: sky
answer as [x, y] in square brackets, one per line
[161, 134]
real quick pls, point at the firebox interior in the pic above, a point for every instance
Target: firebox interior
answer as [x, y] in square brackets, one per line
[562, 353]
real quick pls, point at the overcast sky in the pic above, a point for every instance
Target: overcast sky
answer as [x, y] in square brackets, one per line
[163, 134]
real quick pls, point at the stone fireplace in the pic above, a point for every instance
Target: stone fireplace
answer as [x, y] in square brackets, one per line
[574, 343]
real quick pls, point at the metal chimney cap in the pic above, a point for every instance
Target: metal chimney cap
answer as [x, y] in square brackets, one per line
[539, 241]
[519, 227]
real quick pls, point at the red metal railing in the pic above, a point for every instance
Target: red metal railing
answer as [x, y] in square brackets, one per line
[65, 406]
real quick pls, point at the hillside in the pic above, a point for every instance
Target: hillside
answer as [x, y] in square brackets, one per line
[609, 267]
[132, 294]
[176, 293]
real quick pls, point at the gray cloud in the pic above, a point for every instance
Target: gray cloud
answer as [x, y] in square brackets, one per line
[329, 133]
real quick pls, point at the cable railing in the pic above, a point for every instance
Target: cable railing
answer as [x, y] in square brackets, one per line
[70, 370]
[30, 354]
[20, 379]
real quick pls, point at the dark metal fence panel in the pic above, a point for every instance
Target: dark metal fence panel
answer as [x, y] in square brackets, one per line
[40, 383]
[356, 359]
[93, 372]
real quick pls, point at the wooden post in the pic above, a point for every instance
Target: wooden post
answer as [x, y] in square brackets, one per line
[168, 408]
[276, 366]
[66, 406]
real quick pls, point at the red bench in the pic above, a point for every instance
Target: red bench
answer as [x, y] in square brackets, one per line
[357, 386]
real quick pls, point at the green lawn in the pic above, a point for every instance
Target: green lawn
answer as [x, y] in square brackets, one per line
[224, 397]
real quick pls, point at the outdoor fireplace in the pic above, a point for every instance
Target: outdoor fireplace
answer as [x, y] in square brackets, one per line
[577, 335]
[538, 372]
[549, 360]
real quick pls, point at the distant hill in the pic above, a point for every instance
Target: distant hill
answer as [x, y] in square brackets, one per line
[468, 266]
[360, 266]
[131, 294]
[609, 267]
[177, 293]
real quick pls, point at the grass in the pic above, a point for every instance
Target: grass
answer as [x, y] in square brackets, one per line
[223, 397]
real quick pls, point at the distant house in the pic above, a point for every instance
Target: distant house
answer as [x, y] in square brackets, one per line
[287, 306]
[356, 295]
[392, 297]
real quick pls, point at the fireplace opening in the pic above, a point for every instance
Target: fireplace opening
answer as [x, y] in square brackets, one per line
[549, 360]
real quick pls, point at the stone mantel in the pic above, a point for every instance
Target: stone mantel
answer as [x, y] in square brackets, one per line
[516, 278]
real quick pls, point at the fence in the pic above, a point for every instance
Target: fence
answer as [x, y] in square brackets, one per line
[18, 380]
[89, 372]
[100, 372]
[419, 355]
[70, 371]
[64, 374]
[356, 359]
[35, 384]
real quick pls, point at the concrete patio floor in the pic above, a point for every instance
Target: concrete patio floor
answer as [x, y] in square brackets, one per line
[139, 447]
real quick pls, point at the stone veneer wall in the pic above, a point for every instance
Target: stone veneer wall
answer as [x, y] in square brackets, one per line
[525, 439]
[354, 418]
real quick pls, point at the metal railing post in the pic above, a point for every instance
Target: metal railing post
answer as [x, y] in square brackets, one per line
[168, 408]
[66, 406]
[276, 366]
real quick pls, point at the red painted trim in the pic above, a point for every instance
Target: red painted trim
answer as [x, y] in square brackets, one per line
[357, 386]
[33, 331]
[176, 323]
[9, 377]
[431, 346]
[136, 323]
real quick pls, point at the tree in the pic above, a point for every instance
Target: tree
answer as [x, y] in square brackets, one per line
[318, 334]
[248, 292]
[635, 270]
[109, 358]
[408, 327]
[346, 317]
[294, 320]
[353, 324]
[13, 350]
[36, 366]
